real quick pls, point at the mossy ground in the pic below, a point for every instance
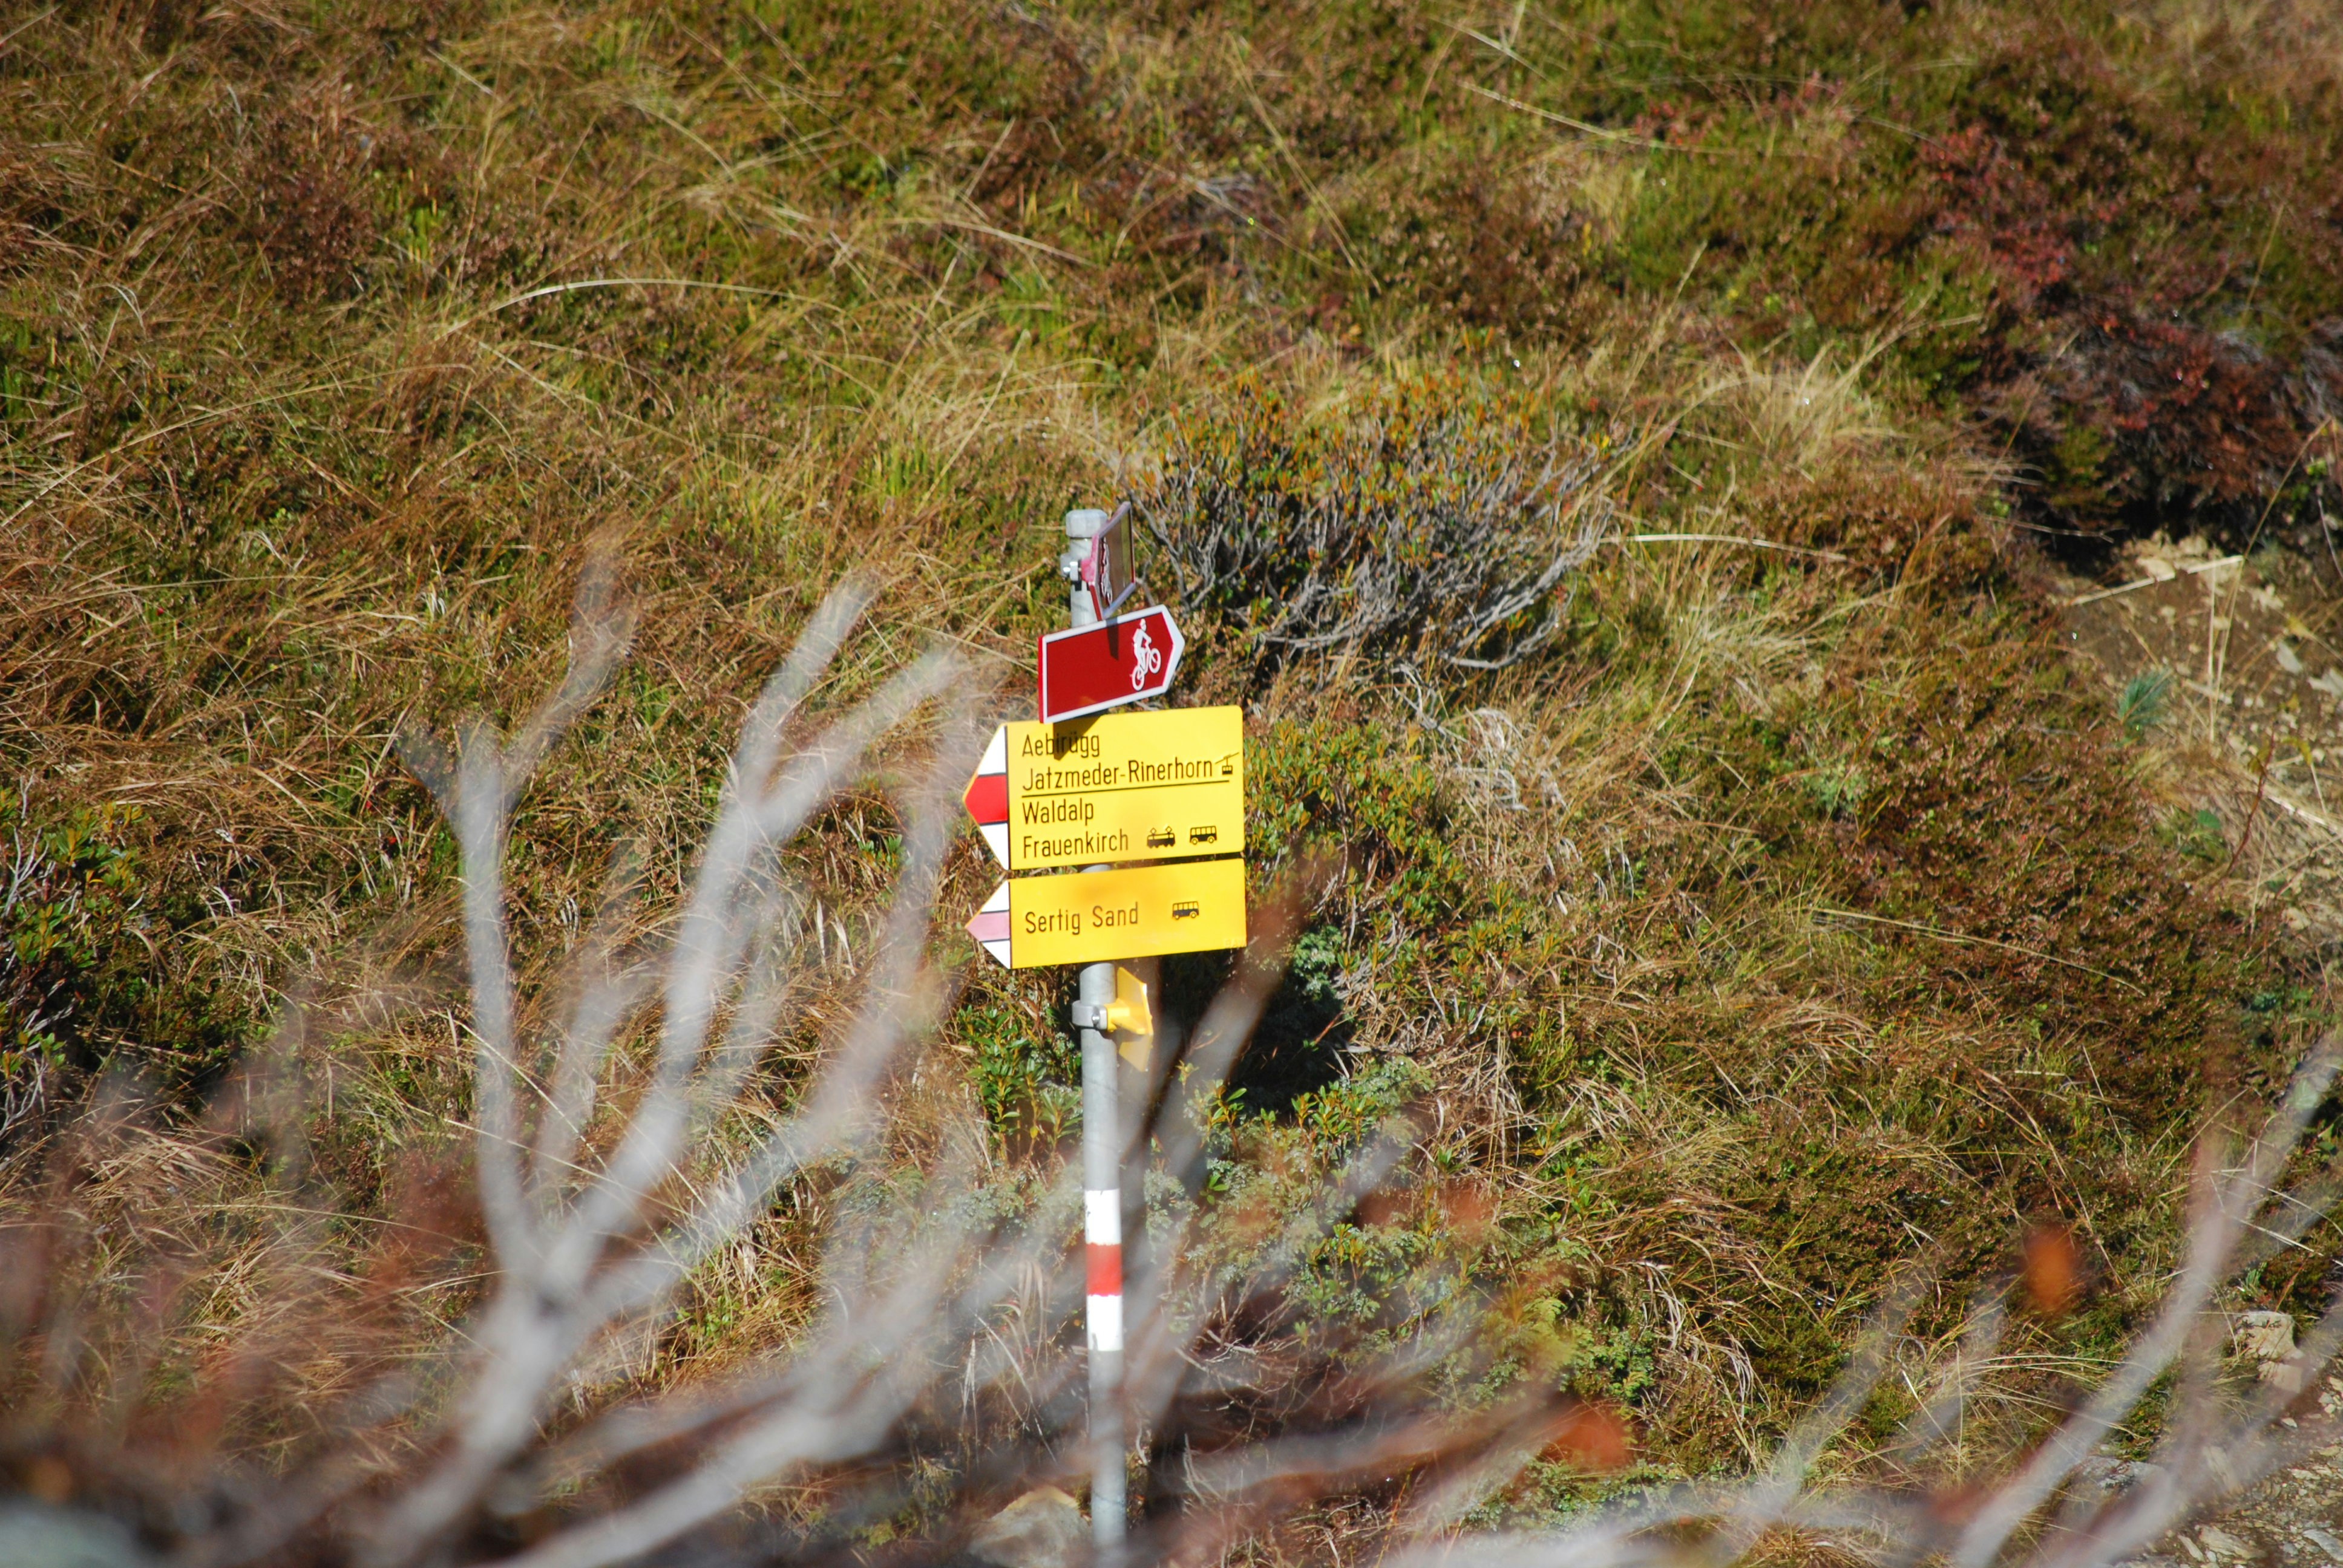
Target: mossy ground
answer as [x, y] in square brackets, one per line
[1795, 918]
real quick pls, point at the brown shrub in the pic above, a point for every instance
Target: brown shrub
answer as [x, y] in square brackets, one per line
[33, 196]
[1498, 249]
[306, 204]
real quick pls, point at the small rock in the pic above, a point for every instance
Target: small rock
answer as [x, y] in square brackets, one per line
[1042, 1529]
[34, 1536]
[2221, 1543]
[2269, 1338]
[2265, 1336]
[2324, 1541]
[2110, 1476]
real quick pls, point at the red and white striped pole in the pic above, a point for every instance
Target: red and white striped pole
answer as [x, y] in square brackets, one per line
[1103, 1236]
[1101, 1173]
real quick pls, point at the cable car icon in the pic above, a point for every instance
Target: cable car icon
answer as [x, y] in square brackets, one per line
[1186, 909]
[1161, 838]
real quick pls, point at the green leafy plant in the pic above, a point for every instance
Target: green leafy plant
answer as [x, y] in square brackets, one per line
[2144, 702]
[2197, 833]
[1030, 1085]
[69, 891]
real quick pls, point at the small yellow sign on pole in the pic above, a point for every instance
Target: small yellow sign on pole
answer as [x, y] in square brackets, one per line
[1125, 912]
[1131, 1017]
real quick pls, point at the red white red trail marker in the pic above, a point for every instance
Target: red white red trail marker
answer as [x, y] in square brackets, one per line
[990, 926]
[988, 797]
[1094, 667]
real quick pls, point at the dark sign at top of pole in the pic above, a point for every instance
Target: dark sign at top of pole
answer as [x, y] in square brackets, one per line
[1108, 570]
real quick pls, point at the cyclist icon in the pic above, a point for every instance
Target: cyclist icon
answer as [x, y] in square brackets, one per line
[1146, 658]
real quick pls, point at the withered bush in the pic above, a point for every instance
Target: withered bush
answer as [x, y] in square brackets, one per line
[1423, 524]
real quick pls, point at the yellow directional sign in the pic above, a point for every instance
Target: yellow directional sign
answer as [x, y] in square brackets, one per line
[1127, 911]
[1126, 787]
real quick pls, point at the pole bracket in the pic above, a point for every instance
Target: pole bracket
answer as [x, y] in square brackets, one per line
[1129, 1015]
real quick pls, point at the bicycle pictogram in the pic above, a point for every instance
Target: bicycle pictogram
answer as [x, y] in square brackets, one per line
[1146, 658]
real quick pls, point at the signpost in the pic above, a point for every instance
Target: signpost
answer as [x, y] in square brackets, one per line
[1111, 663]
[1071, 797]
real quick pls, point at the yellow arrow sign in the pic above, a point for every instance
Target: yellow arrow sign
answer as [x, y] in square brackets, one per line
[1126, 911]
[1126, 787]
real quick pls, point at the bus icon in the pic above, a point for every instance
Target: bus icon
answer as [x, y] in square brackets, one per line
[1186, 909]
[1203, 835]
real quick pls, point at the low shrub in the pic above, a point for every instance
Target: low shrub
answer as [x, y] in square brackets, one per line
[1425, 523]
[69, 892]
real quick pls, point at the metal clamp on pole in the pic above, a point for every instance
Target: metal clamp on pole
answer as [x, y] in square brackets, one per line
[1081, 527]
[1127, 1013]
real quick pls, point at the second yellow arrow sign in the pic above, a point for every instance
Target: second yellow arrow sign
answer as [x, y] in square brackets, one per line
[1127, 911]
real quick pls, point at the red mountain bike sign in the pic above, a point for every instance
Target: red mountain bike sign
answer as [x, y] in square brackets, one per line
[1094, 667]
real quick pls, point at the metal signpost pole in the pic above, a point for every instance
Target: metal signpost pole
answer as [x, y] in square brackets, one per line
[1101, 1179]
[1162, 792]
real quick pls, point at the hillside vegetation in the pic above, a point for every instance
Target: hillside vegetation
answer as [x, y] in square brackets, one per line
[1767, 913]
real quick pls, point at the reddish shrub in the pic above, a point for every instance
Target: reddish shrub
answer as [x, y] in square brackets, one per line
[306, 210]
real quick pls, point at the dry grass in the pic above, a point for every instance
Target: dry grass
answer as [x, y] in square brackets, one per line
[1319, 1356]
[1784, 922]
